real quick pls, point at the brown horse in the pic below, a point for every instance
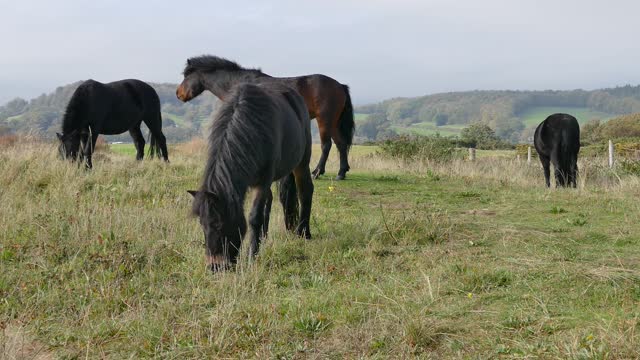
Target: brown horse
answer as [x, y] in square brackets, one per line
[328, 101]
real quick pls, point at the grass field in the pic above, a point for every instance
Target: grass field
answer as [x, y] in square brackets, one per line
[535, 115]
[455, 260]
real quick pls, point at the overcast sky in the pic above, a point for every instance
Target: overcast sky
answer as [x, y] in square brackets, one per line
[381, 48]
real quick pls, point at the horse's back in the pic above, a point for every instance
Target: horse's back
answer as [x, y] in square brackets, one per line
[279, 112]
[321, 93]
[137, 89]
[558, 131]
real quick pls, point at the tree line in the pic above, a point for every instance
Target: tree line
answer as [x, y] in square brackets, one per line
[499, 110]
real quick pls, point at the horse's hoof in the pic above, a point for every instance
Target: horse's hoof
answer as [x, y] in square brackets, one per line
[304, 232]
[340, 177]
[216, 268]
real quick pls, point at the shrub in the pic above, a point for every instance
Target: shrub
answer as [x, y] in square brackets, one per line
[481, 136]
[631, 167]
[522, 150]
[435, 148]
[8, 140]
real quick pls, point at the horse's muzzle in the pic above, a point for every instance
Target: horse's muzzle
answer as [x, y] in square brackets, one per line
[182, 95]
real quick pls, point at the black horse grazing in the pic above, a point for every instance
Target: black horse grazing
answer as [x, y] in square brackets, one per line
[327, 100]
[557, 141]
[113, 108]
[260, 134]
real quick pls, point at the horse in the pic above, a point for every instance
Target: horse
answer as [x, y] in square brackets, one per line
[326, 99]
[113, 108]
[260, 134]
[557, 141]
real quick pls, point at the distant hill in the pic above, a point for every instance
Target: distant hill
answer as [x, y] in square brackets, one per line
[512, 114]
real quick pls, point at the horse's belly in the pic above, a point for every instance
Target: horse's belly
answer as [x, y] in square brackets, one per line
[114, 130]
[121, 122]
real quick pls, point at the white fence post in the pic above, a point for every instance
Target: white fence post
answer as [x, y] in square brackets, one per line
[529, 155]
[472, 154]
[610, 154]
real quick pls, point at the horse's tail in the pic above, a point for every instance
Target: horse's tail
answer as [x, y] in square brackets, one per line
[346, 124]
[569, 146]
[289, 199]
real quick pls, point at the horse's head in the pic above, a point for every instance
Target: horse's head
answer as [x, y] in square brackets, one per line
[192, 85]
[69, 145]
[222, 234]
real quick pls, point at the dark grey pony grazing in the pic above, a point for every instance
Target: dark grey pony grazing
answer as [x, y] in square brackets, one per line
[113, 108]
[557, 141]
[260, 134]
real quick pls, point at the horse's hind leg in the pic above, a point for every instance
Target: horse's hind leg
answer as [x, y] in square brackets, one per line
[304, 184]
[259, 217]
[546, 166]
[162, 142]
[325, 140]
[289, 200]
[573, 175]
[343, 149]
[138, 141]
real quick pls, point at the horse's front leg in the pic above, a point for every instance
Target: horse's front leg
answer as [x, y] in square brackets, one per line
[259, 217]
[88, 149]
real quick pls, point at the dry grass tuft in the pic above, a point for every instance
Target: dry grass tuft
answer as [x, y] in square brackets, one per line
[195, 146]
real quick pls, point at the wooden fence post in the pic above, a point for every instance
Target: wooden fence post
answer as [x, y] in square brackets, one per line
[528, 155]
[611, 154]
[472, 154]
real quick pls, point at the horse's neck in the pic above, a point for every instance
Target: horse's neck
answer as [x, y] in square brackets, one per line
[221, 83]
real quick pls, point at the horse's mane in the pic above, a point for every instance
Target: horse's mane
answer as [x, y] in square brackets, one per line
[74, 109]
[241, 140]
[209, 63]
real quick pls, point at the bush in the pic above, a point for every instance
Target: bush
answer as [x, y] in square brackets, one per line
[481, 136]
[627, 148]
[435, 148]
[631, 167]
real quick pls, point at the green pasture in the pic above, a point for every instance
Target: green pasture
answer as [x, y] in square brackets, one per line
[428, 260]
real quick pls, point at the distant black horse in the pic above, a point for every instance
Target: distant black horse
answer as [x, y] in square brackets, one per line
[557, 140]
[327, 100]
[96, 108]
[260, 134]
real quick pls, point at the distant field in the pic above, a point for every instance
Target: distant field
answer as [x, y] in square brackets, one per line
[14, 118]
[535, 115]
[175, 118]
[360, 117]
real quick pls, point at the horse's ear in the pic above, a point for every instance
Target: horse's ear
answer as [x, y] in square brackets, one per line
[211, 195]
[59, 136]
[189, 62]
[192, 192]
